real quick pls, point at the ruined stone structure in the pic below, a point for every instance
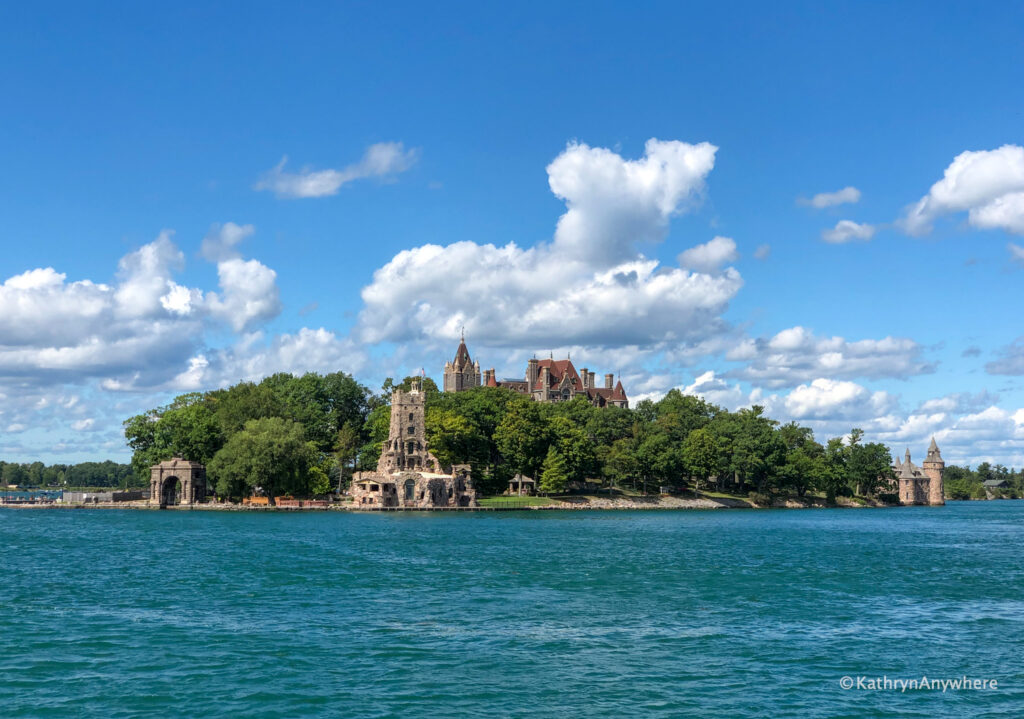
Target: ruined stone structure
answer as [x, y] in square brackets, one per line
[177, 481]
[921, 485]
[547, 380]
[408, 474]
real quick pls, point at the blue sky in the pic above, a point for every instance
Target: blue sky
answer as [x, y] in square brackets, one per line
[491, 167]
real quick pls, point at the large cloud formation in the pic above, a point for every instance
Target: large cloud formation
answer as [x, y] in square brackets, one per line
[987, 184]
[590, 285]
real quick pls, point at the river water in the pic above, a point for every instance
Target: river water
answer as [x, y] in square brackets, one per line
[731, 613]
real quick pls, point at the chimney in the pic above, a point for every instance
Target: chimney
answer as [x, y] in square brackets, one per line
[585, 376]
[609, 381]
[488, 373]
[592, 380]
[531, 373]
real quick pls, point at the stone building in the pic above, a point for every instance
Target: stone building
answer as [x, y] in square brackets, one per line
[408, 474]
[177, 481]
[461, 373]
[547, 380]
[921, 485]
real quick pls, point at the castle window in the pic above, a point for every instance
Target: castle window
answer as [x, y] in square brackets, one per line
[410, 416]
[410, 488]
[374, 488]
[412, 430]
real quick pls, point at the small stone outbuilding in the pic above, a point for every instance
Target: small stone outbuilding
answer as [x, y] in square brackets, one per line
[177, 481]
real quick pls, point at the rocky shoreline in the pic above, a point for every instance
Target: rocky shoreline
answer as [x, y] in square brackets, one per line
[582, 503]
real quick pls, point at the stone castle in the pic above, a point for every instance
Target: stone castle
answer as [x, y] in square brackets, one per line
[921, 485]
[547, 380]
[408, 474]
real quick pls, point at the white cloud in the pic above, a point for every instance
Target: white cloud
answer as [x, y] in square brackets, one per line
[589, 286]
[83, 425]
[710, 256]
[835, 399]
[249, 293]
[797, 355]
[1016, 252]
[612, 204]
[987, 184]
[254, 357]
[762, 252]
[822, 200]
[1011, 359]
[221, 241]
[848, 230]
[716, 390]
[382, 160]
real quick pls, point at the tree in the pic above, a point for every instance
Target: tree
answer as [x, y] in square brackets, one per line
[702, 457]
[346, 447]
[270, 454]
[554, 475]
[833, 480]
[522, 437]
[575, 447]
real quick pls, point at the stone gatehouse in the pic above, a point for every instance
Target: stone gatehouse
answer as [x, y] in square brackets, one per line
[177, 481]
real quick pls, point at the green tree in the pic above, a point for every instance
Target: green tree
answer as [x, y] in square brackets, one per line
[522, 438]
[269, 454]
[702, 456]
[554, 475]
[346, 449]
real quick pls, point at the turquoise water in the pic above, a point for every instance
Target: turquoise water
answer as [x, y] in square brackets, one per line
[533, 614]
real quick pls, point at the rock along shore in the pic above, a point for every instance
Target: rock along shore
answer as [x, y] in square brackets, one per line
[566, 504]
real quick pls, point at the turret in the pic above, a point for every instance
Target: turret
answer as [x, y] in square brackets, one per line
[934, 467]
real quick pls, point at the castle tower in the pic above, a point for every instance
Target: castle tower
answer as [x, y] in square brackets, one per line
[461, 373]
[934, 466]
[406, 446]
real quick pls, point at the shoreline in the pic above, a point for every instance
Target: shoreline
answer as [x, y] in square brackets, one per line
[574, 505]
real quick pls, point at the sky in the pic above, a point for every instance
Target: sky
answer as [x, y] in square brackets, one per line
[813, 207]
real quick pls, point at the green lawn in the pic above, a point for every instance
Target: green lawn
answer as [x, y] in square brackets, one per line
[515, 501]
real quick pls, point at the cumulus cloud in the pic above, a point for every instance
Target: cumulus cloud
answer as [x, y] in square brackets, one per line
[221, 241]
[382, 160]
[847, 231]
[1010, 360]
[255, 356]
[710, 256]
[588, 286]
[834, 400]
[249, 293]
[797, 355]
[613, 203]
[847, 195]
[987, 184]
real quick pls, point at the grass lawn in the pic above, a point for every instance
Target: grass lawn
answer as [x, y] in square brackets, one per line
[515, 501]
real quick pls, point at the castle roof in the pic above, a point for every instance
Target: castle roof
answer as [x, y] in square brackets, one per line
[462, 360]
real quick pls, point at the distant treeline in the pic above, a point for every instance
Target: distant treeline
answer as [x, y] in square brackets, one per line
[305, 435]
[83, 474]
[965, 483]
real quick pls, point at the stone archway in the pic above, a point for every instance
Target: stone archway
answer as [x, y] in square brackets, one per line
[170, 492]
[177, 481]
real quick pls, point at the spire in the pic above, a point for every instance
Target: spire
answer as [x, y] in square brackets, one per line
[933, 447]
[907, 460]
[933, 452]
[905, 471]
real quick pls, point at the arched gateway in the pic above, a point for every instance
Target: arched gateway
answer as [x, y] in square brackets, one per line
[177, 481]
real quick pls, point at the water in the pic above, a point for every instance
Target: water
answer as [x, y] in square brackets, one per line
[108, 613]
